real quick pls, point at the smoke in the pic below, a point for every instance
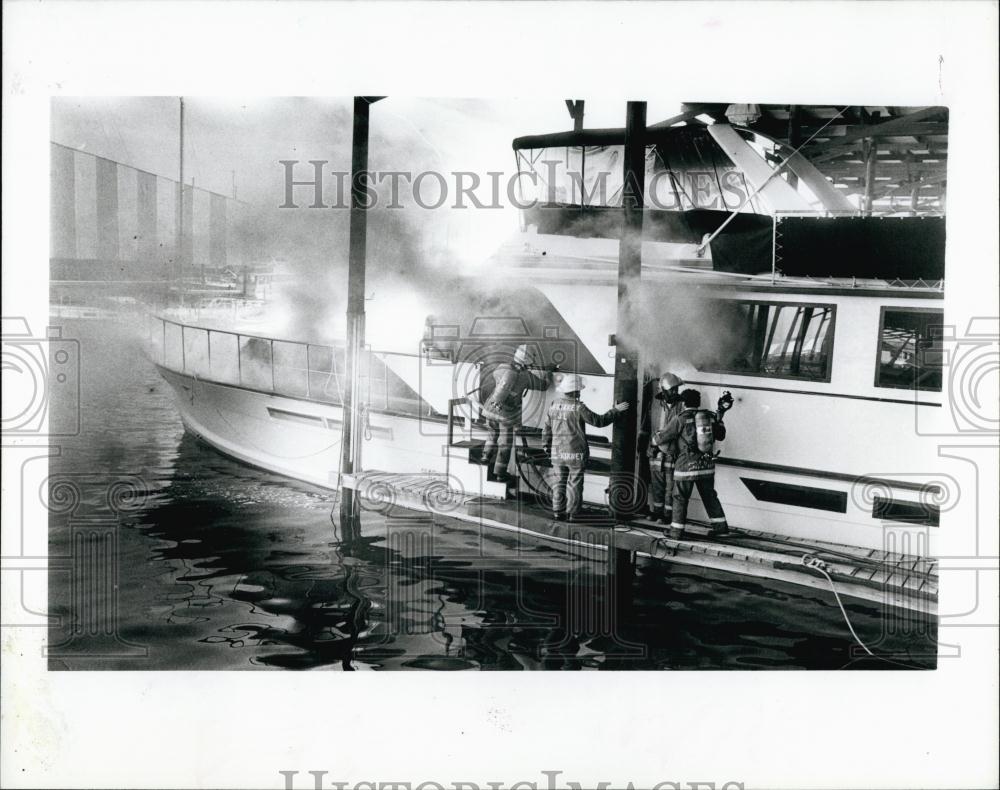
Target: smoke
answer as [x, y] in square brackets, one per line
[415, 256]
[419, 260]
[671, 320]
[674, 322]
[308, 253]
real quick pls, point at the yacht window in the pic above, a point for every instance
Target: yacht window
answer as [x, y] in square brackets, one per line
[771, 339]
[909, 353]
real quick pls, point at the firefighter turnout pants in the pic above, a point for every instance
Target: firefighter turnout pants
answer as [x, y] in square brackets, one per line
[661, 483]
[567, 489]
[684, 486]
[499, 440]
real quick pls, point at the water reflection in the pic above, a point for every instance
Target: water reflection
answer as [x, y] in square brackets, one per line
[220, 566]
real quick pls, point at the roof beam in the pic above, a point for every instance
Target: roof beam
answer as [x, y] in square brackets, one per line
[815, 180]
[757, 172]
[905, 125]
[918, 183]
[838, 147]
[691, 111]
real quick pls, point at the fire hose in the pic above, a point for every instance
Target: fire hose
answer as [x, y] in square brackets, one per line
[818, 565]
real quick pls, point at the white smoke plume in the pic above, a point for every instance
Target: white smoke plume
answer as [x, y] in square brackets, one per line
[675, 321]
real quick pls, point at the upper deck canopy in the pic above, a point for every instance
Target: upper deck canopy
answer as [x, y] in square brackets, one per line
[853, 167]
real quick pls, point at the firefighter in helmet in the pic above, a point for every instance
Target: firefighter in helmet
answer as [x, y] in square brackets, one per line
[501, 409]
[565, 440]
[661, 451]
[696, 431]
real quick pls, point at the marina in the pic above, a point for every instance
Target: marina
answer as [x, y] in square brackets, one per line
[226, 566]
[751, 266]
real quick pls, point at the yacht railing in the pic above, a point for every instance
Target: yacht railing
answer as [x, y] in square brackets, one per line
[284, 367]
[392, 382]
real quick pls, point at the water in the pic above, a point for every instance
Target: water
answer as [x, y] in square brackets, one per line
[221, 566]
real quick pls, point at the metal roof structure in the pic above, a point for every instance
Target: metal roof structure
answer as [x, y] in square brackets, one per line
[895, 156]
[894, 159]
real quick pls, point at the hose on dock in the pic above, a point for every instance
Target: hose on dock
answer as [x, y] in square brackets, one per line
[818, 565]
[735, 533]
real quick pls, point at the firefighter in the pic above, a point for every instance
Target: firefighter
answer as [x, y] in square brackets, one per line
[565, 440]
[696, 431]
[502, 408]
[662, 453]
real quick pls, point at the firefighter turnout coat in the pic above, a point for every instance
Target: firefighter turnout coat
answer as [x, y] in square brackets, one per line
[509, 384]
[565, 430]
[696, 431]
[657, 417]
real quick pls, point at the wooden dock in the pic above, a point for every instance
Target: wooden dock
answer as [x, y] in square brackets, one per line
[879, 577]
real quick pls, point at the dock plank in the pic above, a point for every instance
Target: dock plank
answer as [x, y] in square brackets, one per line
[872, 575]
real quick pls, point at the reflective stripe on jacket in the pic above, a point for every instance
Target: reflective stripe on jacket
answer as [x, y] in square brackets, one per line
[565, 428]
[509, 385]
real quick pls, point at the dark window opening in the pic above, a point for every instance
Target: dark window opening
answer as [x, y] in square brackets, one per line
[889, 509]
[799, 496]
[768, 339]
[909, 355]
[291, 416]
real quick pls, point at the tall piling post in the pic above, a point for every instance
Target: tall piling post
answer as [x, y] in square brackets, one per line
[623, 493]
[350, 446]
[178, 267]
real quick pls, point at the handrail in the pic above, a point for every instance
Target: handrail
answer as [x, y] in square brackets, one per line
[333, 347]
[269, 367]
[269, 376]
[265, 372]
